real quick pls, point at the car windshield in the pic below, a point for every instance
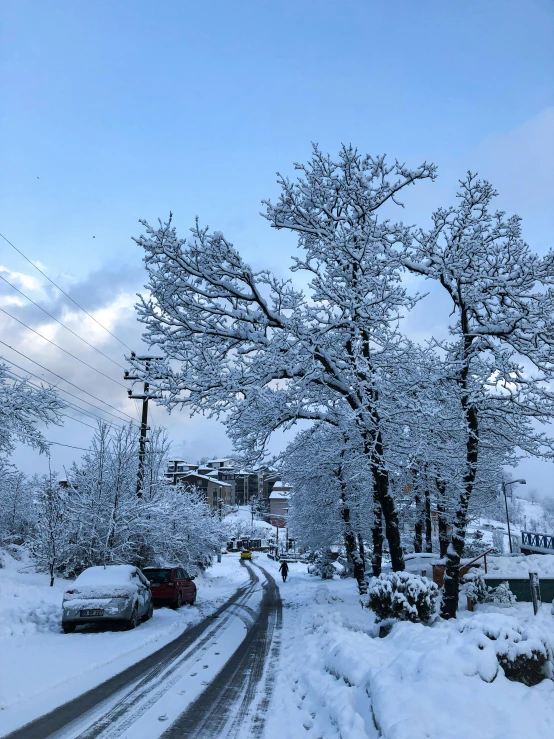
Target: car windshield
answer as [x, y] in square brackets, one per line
[157, 575]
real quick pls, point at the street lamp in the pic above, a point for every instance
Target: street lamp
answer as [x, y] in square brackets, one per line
[504, 486]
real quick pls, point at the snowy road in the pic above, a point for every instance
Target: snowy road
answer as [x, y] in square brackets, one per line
[213, 681]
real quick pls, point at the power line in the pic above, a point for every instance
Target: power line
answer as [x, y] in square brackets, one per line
[64, 293]
[65, 415]
[78, 421]
[60, 323]
[70, 446]
[71, 406]
[61, 390]
[61, 348]
[68, 381]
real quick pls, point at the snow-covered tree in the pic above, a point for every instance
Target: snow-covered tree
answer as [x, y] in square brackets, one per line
[107, 524]
[332, 487]
[182, 528]
[49, 542]
[16, 504]
[503, 308]
[24, 407]
[254, 347]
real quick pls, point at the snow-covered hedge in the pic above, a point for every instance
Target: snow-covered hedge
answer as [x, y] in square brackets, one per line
[403, 596]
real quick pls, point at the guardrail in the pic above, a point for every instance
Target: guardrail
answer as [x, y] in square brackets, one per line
[538, 541]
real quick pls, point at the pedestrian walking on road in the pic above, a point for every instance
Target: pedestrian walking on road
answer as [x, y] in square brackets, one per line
[284, 570]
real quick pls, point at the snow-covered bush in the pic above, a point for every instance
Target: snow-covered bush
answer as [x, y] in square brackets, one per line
[475, 545]
[524, 656]
[502, 595]
[403, 596]
[322, 566]
[477, 590]
[498, 541]
[523, 663]
[480, 592]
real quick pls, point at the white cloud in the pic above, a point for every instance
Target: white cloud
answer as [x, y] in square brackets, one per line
[20, 278]
[520, 164]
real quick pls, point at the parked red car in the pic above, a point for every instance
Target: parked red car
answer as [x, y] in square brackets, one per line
[171, 586]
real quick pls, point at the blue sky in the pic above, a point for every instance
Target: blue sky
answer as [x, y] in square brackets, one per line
[124, 109]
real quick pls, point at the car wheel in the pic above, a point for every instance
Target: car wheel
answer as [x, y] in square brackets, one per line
[133, 621]
[68, 628]
[193, 601]
[179, 601]
[149, 612]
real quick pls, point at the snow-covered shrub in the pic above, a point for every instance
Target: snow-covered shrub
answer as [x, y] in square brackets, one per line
[502, 595]
[480, 592]
[523, 663]
[475, 545]
[477, 590]
[498, 541]
[403, 596]
[322, 567]
[524, 656]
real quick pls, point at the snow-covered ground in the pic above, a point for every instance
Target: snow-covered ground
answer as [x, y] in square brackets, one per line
[335, 677]
[48, 668]
[520, 565]
[338, 679]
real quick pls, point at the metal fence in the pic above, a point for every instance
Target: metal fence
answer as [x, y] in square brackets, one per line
[540, 541]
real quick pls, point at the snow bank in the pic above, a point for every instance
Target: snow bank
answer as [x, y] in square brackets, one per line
[521, 565]
[25, 610]
[337, 679]
[26, 605]
[445, 681]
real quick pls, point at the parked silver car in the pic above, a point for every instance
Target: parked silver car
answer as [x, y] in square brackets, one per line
[115, 593]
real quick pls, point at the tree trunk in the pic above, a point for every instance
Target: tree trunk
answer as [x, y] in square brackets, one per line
[444, 539]
[361, 553]
[377, 535]
[51, 570]
[418, 527]
[456, 548]
[428, 522]
[354, 556]
[390, 514]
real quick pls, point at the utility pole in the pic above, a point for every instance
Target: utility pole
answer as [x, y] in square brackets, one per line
[145, 397]
[504, 486]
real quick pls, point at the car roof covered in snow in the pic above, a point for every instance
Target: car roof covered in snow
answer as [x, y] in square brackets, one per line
[116, 574]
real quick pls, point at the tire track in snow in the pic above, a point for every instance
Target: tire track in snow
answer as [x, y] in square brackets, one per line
[228, 708]
[144, 695]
